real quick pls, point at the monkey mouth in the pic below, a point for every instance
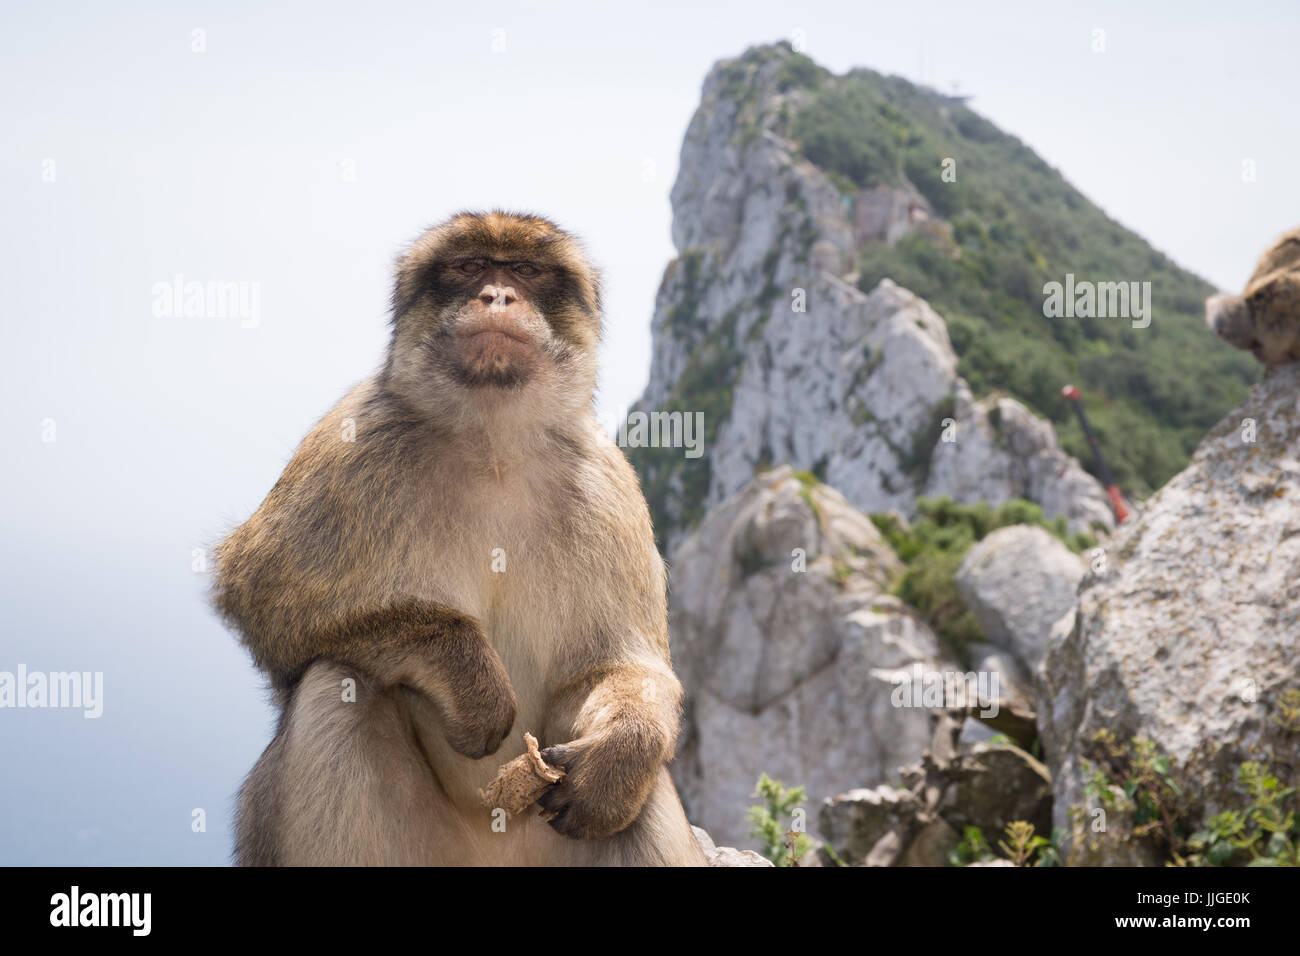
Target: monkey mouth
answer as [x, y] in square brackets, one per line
[496, 356]
[497, 336]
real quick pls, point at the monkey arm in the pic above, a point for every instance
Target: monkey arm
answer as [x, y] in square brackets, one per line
[621, 723]
[306, 578]
[437, 651]
[619, 712]
[440, 653]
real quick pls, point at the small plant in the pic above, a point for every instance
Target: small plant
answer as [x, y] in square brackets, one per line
[1021, 846]
[1135, 778]
[972, 848]
[1265, 834]
[1288, 711]
[1146, 780]
[1050, 855]
[1021, 843]
[782, 844]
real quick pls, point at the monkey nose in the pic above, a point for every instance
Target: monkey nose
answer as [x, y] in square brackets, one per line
[492, 295]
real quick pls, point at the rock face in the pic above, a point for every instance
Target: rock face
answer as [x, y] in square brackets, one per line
[756, 326]
[788, 671]
[1018, 582]
[1004, 451]
[1188, 633]
[994, 785]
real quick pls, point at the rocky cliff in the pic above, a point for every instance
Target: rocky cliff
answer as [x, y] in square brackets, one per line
[829, 390]
[759, 326]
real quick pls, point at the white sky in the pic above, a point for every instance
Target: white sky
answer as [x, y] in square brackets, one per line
[225, 166]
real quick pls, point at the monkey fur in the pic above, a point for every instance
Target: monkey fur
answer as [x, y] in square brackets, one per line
[1265, 318]
[455, 550]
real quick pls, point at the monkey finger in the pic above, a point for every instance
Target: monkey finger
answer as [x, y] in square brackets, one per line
[555, 797]
[561, 755]
[558, 821]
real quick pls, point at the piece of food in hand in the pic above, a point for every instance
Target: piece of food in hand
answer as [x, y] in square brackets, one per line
[520, 782]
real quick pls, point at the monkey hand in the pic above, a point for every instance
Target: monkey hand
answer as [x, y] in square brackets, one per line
[606, 782]
[478, 710]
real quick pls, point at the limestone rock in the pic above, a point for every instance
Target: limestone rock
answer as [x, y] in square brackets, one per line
[1002, 450]
[1018, 581]
[931, 845]
[757, 327]
[995, 785]
[727, 855]
[789, 672]
[868, 826]
[1187, 633]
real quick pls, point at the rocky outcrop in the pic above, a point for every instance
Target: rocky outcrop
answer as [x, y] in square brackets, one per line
[995, 784]
[727, 855]
[1001, 451]
[756, 327]
[869, 827]
[1186, 634]
[984, 785]
[786, 644]
[887, 213]
[1018, 581]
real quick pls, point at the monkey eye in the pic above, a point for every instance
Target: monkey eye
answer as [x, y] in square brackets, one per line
[471, 267]
[525, 269]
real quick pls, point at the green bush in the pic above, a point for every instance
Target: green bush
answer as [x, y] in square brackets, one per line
[781, 843]
[934, 546]
[1143, 790]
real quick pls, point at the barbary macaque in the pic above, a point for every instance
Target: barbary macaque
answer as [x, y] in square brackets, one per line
[455, 555]
[1265, 318]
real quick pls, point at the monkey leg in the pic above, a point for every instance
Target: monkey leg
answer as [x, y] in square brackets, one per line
[345, 783]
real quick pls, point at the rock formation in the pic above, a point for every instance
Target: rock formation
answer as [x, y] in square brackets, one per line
[1187, 635]
[786, 644]
[1019, 581]
[954, 786]
[757, 327]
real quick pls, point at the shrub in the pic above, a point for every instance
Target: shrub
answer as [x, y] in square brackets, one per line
[935, 545]
[782, 843]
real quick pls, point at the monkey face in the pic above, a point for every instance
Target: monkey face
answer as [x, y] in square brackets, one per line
[493, 334]
[1229, 319]
[493, 303]
[1256, 323]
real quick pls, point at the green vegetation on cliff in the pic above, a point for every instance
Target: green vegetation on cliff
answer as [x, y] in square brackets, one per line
[1016, 224]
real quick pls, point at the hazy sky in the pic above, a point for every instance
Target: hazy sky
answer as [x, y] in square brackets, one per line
[296, 153]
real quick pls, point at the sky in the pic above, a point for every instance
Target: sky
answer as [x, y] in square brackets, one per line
[294, 152]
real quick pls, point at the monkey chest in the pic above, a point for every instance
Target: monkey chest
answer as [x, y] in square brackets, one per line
[508, 560]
